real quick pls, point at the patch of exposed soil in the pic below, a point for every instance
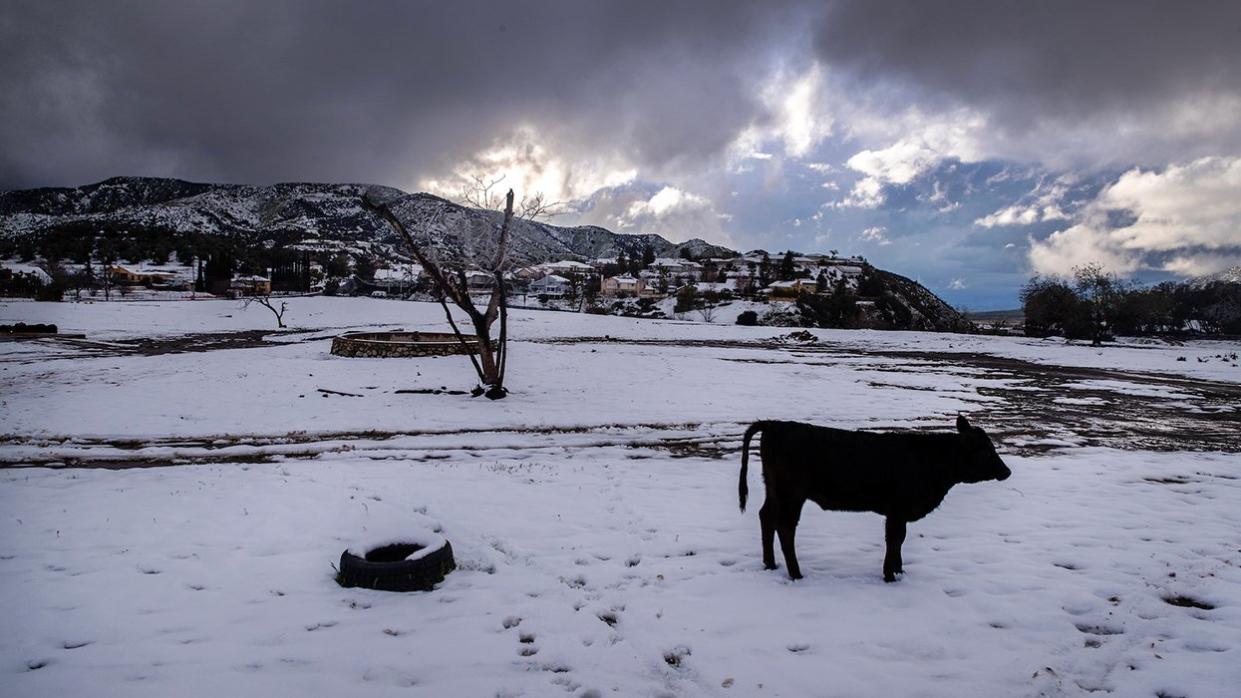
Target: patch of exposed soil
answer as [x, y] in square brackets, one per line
[1043, 408]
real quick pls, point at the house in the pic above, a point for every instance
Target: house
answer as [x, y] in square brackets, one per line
[715, 287]
[478, 281]
[623, 285]
[742, 280]
[398, 279]
[683, 270]
[528, 273]
[791, 289]
[250, 286]
[713, 268]
[125, 275]
[550, 285]
[566, 267]
[34, 273]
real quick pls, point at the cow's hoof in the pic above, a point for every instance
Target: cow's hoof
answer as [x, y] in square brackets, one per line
[889, 577]
[770, 566]
[795, 576]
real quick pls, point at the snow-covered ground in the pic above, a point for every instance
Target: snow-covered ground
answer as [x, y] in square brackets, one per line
[593, 512]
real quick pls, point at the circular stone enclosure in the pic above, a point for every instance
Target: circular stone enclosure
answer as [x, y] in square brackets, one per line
[400, 344]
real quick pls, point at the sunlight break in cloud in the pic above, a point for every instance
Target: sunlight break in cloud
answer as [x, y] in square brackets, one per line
[793, 117]
[530, 165]
[1187, 215]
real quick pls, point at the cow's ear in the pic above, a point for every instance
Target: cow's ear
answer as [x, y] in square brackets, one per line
[963, 424]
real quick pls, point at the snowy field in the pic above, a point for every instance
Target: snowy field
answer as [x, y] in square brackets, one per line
[177, 486]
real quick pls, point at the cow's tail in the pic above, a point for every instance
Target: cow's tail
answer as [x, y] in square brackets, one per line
[742, 488]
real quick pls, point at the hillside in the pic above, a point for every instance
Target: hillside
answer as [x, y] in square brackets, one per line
[151, 218]
[289, 214]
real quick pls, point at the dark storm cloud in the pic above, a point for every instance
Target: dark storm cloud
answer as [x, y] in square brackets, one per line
[1032, 62]
[374, 91]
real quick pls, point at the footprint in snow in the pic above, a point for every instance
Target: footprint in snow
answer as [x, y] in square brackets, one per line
[1098, 629]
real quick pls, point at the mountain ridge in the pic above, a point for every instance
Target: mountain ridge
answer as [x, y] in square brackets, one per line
[289, 210]
[159, 215]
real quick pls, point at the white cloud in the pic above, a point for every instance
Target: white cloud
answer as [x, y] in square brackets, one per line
[666, 201]
[1191, 211]
[672, 212]
[1042, 204]
[927, 141]
[876, 234]
[1022, 215]
[866, 193]
[957, 284]
[800, 122]
[1201, 264]
[1078, 245]
[793, 117]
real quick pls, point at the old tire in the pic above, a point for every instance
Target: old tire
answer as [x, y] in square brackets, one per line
[386, 568]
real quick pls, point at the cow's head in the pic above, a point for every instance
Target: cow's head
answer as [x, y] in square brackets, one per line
[980, 462]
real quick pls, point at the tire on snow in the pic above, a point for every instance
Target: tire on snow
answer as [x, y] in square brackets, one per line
[386, 569]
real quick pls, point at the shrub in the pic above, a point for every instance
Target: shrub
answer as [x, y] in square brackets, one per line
[748, 318]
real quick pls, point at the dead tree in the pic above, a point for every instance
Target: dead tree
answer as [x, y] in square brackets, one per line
[265, 301]
[489, 356]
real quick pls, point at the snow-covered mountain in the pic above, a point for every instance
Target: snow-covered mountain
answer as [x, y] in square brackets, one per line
[1228, 276]
[297, 212]
[331, 217]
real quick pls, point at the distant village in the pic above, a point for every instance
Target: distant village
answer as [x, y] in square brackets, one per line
[755, 275]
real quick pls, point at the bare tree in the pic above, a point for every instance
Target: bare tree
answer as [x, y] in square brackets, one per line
[265, 301]
[707, 313]
[1101, 291]
[489, 357]
[480, 192]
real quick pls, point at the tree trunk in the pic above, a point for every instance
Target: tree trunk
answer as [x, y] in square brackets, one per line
[489, 363]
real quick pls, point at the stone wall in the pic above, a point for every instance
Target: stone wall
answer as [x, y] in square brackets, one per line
[382, 345]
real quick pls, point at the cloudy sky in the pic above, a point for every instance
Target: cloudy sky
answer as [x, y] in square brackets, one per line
[965, 144]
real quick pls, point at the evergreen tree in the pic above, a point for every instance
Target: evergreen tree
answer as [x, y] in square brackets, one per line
[787, 268]
[764, 271]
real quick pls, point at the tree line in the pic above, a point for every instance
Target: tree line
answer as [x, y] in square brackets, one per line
[1097, 305]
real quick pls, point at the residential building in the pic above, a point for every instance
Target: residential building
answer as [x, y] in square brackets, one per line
[250, 286]
[127, 275]
[623, 285]
[550, 285]
[791, 289]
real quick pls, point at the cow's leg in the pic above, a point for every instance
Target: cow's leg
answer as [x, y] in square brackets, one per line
[767, 518]
[786, 525]
[894, 531]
